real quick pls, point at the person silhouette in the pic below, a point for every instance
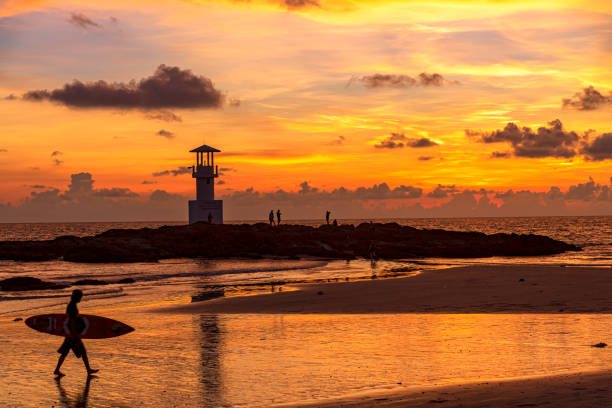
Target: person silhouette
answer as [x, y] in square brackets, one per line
[73, 342]
[271, 217]
[327, 214]
[278, 217]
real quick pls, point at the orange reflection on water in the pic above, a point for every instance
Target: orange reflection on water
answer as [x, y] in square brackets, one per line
[237, 360]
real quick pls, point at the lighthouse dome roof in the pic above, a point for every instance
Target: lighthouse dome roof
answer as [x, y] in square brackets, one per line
[204, 148]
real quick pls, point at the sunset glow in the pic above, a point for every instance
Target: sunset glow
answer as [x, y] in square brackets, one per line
[333, 93]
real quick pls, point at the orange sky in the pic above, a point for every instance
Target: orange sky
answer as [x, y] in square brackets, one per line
[306, 112]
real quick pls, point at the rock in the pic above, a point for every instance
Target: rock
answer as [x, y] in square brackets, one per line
[126, 280]
[600, 345]
[203, 240]
[92, 282]
[23, 283]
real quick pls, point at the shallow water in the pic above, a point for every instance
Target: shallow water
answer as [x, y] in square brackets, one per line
[246, 360]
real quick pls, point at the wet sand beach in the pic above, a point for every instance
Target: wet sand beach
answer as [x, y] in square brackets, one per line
[470, 289]
[568, 391]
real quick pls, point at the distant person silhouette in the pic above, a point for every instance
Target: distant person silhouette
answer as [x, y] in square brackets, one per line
[73, 343]
[210, 218]
[271, 217]
[327, 214]
[335, 223]
[278, 215]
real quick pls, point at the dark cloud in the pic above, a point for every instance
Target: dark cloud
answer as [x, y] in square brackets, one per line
[588, 99]
[56, 153]
[399, 140]
[551, 141]
[298, 4]
[148, 182]
[426, 158]
[220, 182]
[174, 172]
[598, 149]
[422, 142]
[10, 97]
[115, 192]
[396, 140]
[165, 133]
[442, 191]
[82, 21]
[338, 141]
[501, 155]
[399, 80]
[57, 162]
[168, 87]
[38, 186]
[164, 115]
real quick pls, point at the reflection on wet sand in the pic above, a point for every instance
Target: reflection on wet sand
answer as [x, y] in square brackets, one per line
[80, 401]
[210, 352]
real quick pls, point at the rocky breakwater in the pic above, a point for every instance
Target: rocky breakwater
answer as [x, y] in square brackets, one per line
[390, 241]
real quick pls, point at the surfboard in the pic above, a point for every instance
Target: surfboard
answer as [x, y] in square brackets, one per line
[87, 326]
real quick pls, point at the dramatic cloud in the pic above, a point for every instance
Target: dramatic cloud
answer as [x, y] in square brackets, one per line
[174, 172]
[396, 140]
[168, 87]
[552, 141]
[442, 191]
[599, 149]
[422, 142]
[164, 115]
[81, 201]
[588, 99]
[399, 80]
[501, 155]
[115, 192]
[165, 133]
[399, 140]
[82, 21]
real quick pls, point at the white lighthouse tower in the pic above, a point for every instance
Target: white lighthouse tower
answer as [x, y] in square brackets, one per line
[205, 207]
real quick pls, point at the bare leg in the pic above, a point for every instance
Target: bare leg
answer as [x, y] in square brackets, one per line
[90, 370]
[60, 361]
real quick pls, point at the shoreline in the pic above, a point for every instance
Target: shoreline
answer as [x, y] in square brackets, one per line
[568, 390]
[466, 289]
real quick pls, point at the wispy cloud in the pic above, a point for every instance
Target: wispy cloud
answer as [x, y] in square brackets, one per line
[82, 21]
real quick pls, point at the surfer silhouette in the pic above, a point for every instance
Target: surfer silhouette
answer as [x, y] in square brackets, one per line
[73, 343]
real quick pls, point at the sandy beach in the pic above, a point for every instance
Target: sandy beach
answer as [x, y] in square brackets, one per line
[567, 391]
[471, 289]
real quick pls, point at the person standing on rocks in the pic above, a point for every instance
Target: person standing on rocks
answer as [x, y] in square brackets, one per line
[278, 217]
[73, 343]
[327, 214]
[271, 217]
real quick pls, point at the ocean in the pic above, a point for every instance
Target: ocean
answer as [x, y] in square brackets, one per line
[249, 360]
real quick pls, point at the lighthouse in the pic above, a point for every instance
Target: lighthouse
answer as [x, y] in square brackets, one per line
[205, 207]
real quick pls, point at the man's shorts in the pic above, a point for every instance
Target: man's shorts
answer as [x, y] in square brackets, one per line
[74, 344]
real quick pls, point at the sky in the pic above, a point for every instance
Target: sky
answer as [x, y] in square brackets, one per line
[371, 109]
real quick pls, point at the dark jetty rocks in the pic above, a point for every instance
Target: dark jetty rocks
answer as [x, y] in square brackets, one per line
[391, 241]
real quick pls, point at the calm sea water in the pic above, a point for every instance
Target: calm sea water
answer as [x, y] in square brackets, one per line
[249, 360]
